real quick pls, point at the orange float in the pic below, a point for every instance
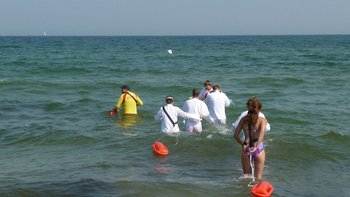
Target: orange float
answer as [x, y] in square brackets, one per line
[160, 149]
[112, 113]
[263, 189]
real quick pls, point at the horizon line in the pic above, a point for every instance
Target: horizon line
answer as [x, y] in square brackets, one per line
[179, 35]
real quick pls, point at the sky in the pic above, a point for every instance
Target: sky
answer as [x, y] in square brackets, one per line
[173, 17]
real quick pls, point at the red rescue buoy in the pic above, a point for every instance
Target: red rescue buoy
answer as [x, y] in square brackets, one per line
[112, 113]
[263, 189]
[160, 149]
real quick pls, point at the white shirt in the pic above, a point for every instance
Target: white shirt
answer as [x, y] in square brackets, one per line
[198, 107]
[204, 93]
[243, 114]
[174, 112]
[216, 102]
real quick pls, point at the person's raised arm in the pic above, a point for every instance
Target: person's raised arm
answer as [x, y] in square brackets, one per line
[186, 115]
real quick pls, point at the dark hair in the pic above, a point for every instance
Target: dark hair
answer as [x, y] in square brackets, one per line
[254, 106]
[195, 92]
[217, 87]
[125, 87]
[169, 99]
[206, 82]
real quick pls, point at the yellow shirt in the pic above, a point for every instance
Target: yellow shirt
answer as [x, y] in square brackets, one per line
[129, 101]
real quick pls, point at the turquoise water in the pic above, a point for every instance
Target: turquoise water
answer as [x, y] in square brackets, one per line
[56, 138]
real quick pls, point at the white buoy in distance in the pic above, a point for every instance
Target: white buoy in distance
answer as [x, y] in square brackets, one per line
[170, 51]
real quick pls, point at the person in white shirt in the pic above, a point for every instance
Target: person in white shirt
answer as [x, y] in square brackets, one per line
[206, 90]
[216, 102]
[198, 107]
[168, 115]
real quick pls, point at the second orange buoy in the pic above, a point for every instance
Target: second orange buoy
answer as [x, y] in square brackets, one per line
[160, 149]
[263, 189]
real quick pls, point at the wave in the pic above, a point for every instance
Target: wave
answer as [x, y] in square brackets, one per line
[53, 106]
[68, 70]
[77, 187]
[15, 63]
[36, 134]
[10, 46]
[290, 120]
[3, 80]
[336, 137]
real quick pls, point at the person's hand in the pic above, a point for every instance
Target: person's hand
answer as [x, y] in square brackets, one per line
[211, 120]
[254, 147]
[245, 147]
[113, 112]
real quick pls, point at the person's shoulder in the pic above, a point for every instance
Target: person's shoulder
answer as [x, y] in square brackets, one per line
[243, 119]
[200, 101]
[188, 101]
[262, 120]
[211, 94]
[176, 107]
[223, 93]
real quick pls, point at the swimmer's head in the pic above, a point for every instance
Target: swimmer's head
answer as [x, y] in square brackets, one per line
[125, 87]
[206, 83]
[217, 87]
[169, 99]
[195, 93]
[254, 104]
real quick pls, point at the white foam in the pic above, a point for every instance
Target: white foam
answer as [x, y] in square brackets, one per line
[210, 136]
[246, 176]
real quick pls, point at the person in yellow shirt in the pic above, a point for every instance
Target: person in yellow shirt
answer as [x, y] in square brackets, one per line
[128, 101]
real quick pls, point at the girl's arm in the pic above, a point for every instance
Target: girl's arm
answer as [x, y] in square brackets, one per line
[238, 131]
[262, 132]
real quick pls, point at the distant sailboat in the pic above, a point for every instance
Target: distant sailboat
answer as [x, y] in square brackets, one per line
[45, 34]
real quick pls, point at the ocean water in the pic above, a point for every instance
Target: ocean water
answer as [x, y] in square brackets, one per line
[56, 138]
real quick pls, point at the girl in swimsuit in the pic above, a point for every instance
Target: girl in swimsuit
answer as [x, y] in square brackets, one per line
[254, 128]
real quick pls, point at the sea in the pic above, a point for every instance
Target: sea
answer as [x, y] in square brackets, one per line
[57, 138]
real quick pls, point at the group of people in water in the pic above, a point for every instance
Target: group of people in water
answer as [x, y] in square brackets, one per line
[209, 104]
